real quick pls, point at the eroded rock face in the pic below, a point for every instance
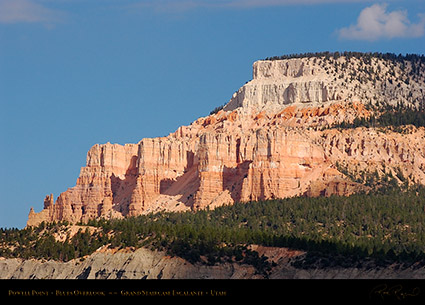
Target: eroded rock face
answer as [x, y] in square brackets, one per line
[146, 264]
[282, 82]
[268, 142]
[277, 83]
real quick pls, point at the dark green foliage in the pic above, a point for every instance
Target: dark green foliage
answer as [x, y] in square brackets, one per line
[393, 116]
[415, 58]
[381, 183]
[39, 242]
[358, 230]
[216, 109]
[412, 64]
[346, 229]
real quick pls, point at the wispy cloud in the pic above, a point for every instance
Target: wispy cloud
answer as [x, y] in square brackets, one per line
[376, 23]
[267, 3]
[182, 5]
[27, 11]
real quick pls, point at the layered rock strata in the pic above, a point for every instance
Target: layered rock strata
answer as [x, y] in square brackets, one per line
[270, 141]
[320, 79]
[146, 264]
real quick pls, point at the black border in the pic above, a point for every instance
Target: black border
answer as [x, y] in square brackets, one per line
[342, 291]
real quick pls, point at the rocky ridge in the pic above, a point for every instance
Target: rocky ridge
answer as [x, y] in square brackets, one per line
[146, 264]
[330, 78]
[272, 140]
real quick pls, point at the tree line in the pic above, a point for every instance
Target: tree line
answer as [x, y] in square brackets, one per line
[417, 58]
[346, 231]
[389, 116]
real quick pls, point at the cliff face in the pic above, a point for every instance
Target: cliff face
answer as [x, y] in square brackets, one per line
[147, 264]
[268, 142]
[319, 80]
[282, 82]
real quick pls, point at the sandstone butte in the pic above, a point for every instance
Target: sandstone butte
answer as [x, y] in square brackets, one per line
[269, 141]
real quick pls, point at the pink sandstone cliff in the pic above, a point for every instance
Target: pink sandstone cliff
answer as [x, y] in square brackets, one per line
[257, 147]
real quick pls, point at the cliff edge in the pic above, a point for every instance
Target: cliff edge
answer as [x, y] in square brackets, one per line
[273, 139]
[146, 264]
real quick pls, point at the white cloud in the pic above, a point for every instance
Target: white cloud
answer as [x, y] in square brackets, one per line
[183, 5]
[266, 3]
[28, 11]
[375, 23]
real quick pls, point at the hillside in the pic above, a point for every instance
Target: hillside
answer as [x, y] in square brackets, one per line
[313, 125]
[359, 236]
[314, 169]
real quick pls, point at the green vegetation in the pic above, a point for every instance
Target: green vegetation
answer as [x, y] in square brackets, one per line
[335, 231]
[39, 242]
[390, 116]
[367, 56]
[380, 182]
[216, 109]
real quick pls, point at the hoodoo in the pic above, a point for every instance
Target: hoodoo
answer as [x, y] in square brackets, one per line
[275, 138]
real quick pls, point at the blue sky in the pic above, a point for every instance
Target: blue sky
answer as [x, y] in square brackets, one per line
[74, 73]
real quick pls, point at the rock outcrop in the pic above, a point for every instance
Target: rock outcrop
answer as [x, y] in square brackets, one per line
[319, 80]
[147, 264]
[269, 141]
[277, 83]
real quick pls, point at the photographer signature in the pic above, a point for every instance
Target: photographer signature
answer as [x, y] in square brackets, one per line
[396, 291]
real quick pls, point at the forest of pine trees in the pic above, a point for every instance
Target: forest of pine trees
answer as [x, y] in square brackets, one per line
[366, 56]
[335, 231]
[393, 116]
